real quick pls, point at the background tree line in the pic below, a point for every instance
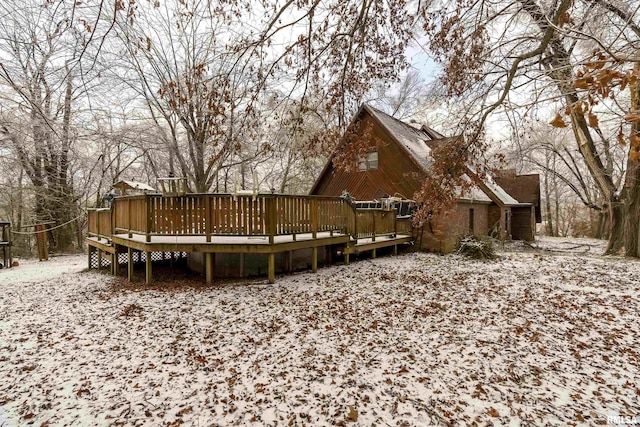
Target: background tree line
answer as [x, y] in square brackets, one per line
[100, 90]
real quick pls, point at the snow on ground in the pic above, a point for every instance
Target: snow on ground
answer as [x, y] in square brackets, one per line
[418, 339]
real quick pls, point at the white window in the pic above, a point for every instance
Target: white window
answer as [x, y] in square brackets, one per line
[368, 161]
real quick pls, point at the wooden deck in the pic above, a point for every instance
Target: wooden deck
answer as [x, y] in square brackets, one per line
[224, 223]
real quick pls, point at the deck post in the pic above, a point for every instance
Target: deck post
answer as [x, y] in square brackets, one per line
[148, 220]
[271, 218]
[129, 219]
[112, 220]
[241, 262]
[346, 257]
[373, 235]
[114, 261]
[130, 264]
[89, 252]
[374, 253]
[208, 267]
[289, 261]
[395, 228]
[314, 259]
[99, 257]
[272, 267]
[207, 218]
[395, 249]
[314, 218]
[147, 278]
[355, 225]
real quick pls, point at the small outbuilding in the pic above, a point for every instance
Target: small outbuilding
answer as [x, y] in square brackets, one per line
[132, 187]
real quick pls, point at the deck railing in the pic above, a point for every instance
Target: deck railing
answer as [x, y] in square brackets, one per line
[375, 222]
[240, 215]
[99, 221]
[223, 215]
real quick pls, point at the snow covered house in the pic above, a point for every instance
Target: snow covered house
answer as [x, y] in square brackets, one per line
[397, 165]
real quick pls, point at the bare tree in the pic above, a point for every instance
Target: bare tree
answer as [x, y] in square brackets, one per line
[521, 55]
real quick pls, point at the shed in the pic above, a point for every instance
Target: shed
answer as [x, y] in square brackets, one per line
[133, 187]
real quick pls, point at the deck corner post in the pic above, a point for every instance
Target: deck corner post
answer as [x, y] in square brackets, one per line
[272, 267]
[314, 259]
[99, 258]
[346, 258]
[148, 271]
[130, 264]
[395, 249]
[374, 253]
[89, 252]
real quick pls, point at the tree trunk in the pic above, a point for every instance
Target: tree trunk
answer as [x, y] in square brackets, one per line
[616, 224]
[556, 199]
[632, 218]
[547, 196]
[631, 189]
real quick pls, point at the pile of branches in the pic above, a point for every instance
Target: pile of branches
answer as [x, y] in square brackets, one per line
[476, 247]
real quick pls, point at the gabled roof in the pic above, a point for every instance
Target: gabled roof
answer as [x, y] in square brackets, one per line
[418, 143]
[412, 139]
[525, 188]
[133, 185]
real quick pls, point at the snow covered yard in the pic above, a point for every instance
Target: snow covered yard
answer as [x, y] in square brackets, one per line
[418, 339]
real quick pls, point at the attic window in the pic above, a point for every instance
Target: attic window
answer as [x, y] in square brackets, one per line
[368, 161]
